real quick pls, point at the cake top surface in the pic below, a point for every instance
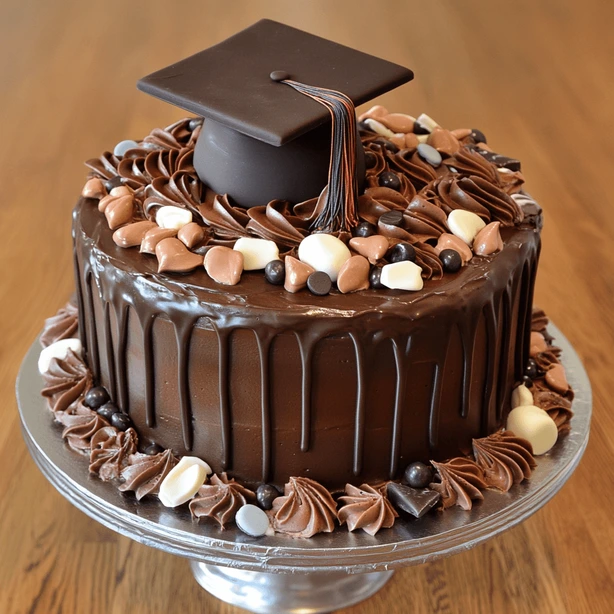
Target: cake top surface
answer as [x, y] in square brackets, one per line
[230, 82]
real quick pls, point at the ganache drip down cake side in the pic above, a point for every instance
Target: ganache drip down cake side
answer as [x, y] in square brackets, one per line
[357, 299]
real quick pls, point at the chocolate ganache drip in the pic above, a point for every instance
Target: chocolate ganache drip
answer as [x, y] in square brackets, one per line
[66, 381]
[305, 509]
[220, 500]
[63, 325]
[504, 458]
[145, 473]
[366, 508]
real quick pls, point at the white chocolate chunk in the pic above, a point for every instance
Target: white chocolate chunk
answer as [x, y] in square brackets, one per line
[257, 253]
[465, 225]
[423, 138]
[534, 425]
[404, 275]
[173, 217]
[183, 481]
[427, 122]
[252, 520]
[379, 127]
[521, 395]
[58, 350]
[324, 253]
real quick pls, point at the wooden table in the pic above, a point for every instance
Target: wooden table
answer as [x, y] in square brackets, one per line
[536, 77]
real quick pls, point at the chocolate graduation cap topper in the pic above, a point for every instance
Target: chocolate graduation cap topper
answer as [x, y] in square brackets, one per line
[262, 139]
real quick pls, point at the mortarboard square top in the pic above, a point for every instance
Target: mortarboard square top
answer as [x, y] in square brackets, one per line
[230, 83]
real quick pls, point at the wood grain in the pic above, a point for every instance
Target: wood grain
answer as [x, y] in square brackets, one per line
[536, 77]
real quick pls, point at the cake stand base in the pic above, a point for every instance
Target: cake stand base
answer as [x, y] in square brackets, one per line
[278, 574]
[309, 593]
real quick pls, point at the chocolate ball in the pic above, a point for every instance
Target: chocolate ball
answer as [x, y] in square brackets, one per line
[401, 252]
[478, 136]
[194, 123]
[375, 275]
[527, 381]
[266, 494]
[386, 144]
[153, 449]
[275, 272]
[108, 410]
[121, 421]
[114, 182]
[364, 229]
[451, 260]
[370, 159]
[389, 180]
[319, 283]
[418, 475]
[531, 370]
[96, 397]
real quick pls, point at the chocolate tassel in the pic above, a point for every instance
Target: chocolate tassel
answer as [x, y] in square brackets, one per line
[339, 210]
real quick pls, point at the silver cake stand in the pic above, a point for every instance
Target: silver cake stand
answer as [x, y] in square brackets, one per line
[280, 574]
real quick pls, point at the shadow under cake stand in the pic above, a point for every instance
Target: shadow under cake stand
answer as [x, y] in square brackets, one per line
[284, 575]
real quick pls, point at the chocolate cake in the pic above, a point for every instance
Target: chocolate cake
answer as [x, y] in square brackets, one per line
[299, 297]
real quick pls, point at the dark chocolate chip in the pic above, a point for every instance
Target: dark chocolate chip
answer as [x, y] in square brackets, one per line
[420, 129]
[451, 260]
[410, 500]
[498, 160]
[531, 370]
[121, 421]
[275, 272]
[418, 475]
[478, 136]
[392, 218]
[429, 154]
[389, 180]
[375, 275]
[96, 397]
[153, 449]
[114, 182]
[364, 230]
[108, 410]
[319, 283]
[266, 494]
[401, 252]
[194, 123]
[279, 75]
[386, 144]
[370, 159]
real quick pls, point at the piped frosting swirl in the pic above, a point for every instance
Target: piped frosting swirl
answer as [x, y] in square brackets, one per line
[461, 481]
[144, 474]
[366, 508]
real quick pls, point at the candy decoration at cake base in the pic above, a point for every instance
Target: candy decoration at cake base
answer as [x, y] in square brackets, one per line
[323, 252]
[170, 216]
[521, 395]
[465, 225]
[418, 475]
[537, 344]
[556, 379]
[174, 256]
[373, 248]
[132, 235]
[411, 500]
[404, 275]
[257, 253]
[266, 494]
[183, 481]
[252, 520]
[96, 397]
[534, 425]
[58, 350]
[488, 240]
[354, 275]
[107, 411]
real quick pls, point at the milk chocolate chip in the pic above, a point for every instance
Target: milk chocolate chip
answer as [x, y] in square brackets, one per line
[224, 265]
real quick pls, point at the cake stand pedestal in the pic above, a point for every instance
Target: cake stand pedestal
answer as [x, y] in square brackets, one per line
[283, 575]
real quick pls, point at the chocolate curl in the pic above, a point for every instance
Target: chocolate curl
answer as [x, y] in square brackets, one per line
[339, 211]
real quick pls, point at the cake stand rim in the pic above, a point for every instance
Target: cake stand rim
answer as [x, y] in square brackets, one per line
[354, 553]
